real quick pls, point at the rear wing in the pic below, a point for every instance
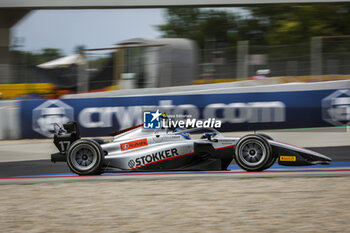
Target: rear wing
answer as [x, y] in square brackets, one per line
[65, 136]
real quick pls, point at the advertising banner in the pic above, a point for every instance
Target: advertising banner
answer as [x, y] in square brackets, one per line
[236, 112]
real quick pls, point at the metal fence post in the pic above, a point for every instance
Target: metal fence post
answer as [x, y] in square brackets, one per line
[316, 55]
[242, 59]
[83, 76]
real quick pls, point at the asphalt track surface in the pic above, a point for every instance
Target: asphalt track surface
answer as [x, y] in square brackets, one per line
[45, 168]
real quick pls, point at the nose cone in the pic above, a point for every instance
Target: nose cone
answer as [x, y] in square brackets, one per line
[322, 159]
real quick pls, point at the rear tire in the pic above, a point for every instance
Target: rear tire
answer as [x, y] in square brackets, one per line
[253, 153]
[85, 157]
[99, 140]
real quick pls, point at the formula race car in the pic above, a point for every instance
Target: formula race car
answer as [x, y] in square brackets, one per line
[137, 149]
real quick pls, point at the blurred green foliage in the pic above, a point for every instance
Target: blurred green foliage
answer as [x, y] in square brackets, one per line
[35, 58]
[275, 24]
[200, 25]
[48, 54]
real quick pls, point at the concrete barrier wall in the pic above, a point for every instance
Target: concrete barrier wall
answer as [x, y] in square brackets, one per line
[294, 105]
[9, 120]
[251, 86]
[15, 124]
[179, 90]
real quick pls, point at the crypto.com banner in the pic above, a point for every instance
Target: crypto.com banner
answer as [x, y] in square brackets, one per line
[237, 112]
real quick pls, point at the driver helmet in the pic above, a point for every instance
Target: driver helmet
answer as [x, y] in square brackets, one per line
[186, 135]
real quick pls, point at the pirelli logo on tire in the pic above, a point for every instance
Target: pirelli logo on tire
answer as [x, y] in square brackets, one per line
[288, 158]
[134, 144]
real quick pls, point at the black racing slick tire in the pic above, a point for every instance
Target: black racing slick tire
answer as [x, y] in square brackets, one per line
[265, 136]
[270, 163]
[99, 140]
[273, 158]
[253, 153]
[85, 157]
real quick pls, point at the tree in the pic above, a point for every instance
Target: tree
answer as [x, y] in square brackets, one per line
[50, 54]
[286, 24]
[79, 49]
[33, 59]
[272, 24]
[200, 25]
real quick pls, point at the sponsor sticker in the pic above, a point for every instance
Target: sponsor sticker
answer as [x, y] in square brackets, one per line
[151, 158]
[133, 144]
[288, 158]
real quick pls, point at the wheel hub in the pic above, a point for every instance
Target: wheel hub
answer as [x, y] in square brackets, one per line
[252, 152]
[84, 157]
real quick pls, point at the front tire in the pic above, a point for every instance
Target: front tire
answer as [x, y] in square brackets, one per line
[253, 153]
[273, 158]
[85, 157]
[268, 137]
